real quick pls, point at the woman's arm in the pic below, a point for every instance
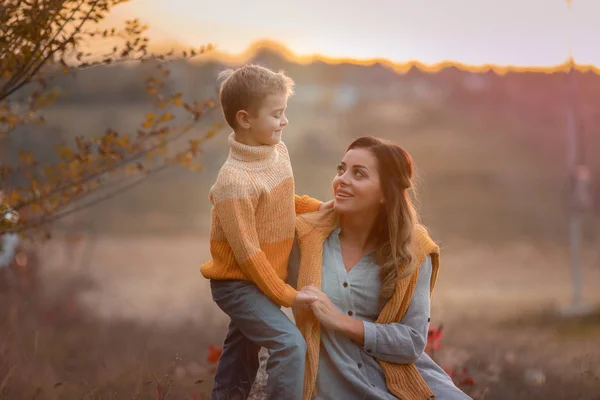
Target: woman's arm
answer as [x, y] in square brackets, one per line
[401, 342]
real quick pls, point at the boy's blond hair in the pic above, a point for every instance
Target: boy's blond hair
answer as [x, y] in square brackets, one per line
[245, 88]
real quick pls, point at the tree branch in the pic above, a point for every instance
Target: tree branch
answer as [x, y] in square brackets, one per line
[48, 218]
[50, 53]
[98, 174]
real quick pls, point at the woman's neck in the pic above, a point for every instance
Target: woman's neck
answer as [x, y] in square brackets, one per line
[356, 230]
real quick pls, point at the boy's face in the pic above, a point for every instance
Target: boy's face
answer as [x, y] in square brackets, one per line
[266, 126]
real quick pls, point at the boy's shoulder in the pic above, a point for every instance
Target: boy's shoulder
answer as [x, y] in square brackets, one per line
[232, 181]
[282, 148]
[231, 174]
[231, 170]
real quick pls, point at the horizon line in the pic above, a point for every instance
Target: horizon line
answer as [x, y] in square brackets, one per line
[226, 57]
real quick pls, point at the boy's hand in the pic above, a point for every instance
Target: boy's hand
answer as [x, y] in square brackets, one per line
[326, 206]
[304, 299]
[325, 311]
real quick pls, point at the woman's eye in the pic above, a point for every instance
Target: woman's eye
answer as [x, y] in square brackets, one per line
[340, 169]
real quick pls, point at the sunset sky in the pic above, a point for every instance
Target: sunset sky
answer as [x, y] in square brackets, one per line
[474, 32]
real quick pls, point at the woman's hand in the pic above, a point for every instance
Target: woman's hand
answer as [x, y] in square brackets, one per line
[332, 318]
[325, 311]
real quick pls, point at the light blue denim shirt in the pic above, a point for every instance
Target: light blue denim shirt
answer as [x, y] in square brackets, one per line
[350, 371]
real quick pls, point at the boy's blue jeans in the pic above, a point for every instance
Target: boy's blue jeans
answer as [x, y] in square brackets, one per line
[256, 322]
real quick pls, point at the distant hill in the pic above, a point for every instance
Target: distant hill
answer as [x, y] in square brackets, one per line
[491, 147]
[535, 100]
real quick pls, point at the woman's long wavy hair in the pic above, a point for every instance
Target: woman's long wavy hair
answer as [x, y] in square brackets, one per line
[393, 232]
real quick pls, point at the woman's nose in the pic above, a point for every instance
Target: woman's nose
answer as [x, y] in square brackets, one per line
[284, 121]
[343, 179]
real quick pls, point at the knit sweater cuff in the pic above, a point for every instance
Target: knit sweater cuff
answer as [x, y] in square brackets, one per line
[306, 204]
[259, 270]
[289, 296]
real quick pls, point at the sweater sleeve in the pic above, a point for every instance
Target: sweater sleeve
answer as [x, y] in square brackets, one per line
[235, 205]
[403, 342]
[306, 204]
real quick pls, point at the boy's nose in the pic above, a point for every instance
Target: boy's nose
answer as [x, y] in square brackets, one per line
[284, 121]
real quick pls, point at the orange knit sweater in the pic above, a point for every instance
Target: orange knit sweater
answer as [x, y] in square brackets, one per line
[253, 219]
[403, 380]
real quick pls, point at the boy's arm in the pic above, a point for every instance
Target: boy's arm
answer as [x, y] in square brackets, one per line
[235, 206]
[306, 204]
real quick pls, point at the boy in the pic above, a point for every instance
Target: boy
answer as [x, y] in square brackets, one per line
[252, 232]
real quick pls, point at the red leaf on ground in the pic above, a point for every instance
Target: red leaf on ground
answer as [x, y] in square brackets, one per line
[467, 382]
[435, 334]
[434, 339]
[214, 354]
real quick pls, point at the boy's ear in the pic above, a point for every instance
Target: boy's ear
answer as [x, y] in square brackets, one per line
[243, 119]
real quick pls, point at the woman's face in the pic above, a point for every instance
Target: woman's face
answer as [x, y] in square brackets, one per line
[357, 187]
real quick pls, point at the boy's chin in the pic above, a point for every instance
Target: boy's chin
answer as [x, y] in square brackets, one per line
[274, 139]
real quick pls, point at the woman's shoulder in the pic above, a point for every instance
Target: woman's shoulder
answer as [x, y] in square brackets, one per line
[323, 221]
[424, 244]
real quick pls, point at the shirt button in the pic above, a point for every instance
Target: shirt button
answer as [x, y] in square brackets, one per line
[428, 319]
[359, 365]
[345, 284]
[350, 313]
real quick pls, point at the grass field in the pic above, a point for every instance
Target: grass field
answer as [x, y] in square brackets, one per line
[104, 329]
[113, 310]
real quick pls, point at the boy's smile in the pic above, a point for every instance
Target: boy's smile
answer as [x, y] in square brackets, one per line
[266, 126]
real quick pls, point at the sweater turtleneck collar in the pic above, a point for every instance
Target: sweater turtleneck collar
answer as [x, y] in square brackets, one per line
[243, 152]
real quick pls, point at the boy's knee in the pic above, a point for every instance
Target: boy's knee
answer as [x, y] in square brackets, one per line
[293, 342]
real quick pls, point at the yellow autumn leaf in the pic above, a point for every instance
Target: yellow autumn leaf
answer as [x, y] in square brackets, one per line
[195, 167]
[195, 146]
[13, 197]
[166, 117]
[74, 166]
[65, 153]
[210, 133]
[124, 142]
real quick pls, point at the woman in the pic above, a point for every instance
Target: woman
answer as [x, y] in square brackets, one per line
[372, 267]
